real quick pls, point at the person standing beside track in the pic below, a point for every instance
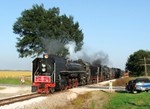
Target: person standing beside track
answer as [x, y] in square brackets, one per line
[22, 80]
[110, 86]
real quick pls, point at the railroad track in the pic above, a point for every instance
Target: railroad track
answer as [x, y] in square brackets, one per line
[10, 100]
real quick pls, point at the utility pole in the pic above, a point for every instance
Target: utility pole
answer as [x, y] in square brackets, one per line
[145, 65]
[97, 75]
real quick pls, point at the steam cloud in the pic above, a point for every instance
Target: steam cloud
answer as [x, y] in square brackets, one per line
[95, 58]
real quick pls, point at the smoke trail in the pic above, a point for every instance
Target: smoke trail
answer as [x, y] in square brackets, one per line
[52, 46]
[98, 58]
[70, 46]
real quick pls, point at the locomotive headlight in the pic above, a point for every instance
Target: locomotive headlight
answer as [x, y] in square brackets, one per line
[43, 69]
[43, 65]
[46, 56]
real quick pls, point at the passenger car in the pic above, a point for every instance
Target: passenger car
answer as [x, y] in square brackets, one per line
[138, 85]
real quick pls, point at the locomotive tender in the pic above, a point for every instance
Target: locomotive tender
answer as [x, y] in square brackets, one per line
[53, 72]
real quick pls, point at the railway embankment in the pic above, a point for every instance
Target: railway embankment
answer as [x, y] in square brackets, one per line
[52, 100]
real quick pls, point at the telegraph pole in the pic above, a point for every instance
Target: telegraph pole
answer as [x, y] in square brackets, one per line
[145, 65]
[97, 74]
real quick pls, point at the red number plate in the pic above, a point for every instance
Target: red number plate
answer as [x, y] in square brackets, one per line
[42, 79]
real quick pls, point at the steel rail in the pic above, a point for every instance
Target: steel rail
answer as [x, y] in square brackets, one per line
[14, 99]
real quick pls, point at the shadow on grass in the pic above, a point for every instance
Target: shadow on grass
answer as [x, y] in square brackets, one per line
[112, 92]
[121, 91]
[137, 105]
[104, 91]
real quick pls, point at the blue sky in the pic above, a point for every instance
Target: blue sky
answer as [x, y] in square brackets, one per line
[116, 27]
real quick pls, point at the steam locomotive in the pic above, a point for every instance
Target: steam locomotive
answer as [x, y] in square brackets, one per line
[52, 73]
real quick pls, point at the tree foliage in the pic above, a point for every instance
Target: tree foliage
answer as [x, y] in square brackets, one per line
[38, 24]
[135, 62]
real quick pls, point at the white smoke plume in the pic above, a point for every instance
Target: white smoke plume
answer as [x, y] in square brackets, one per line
[93, 58]
[70, 46]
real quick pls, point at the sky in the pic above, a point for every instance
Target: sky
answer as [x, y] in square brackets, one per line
[115, 27]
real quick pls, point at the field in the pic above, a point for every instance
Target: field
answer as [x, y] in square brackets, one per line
[90, 100]
[125, 100]
[14, 77]
[106, 100]
[6, 74]
[114, 100]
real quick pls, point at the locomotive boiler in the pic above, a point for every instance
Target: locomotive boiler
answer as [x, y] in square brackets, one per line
[53, 72]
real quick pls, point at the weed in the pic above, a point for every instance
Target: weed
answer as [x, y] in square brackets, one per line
[92, 105]
[1, 88]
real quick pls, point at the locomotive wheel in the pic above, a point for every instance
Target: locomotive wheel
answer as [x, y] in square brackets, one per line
[62, 87]
[83, 82]
[66, 87]
[34, 88]
[52, 90]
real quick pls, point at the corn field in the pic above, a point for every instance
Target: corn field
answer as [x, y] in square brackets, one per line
[15, 74]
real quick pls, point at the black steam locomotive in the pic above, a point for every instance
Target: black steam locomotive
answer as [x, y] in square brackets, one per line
[53, 72]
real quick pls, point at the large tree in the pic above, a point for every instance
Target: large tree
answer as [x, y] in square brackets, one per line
[135, 62]
[38, 28]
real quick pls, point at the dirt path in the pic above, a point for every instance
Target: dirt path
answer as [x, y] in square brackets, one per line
[13, 90]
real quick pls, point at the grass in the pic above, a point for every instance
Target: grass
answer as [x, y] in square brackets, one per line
[122, 81]
[76, 103]
[106, 100]
[11, 80]
[89, 100]
[114, 100]
[128, 101]
[13, 77]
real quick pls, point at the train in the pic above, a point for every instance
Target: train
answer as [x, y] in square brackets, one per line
[54, 73]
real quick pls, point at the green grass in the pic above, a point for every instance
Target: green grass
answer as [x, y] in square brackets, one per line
[15, 81]
[128, 101]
